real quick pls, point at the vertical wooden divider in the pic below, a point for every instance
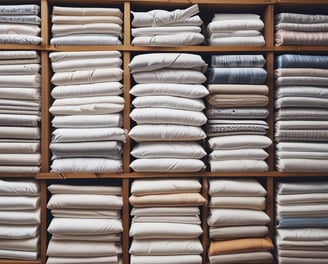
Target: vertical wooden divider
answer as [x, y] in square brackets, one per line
[45, 126]
[205, 236]
[270, 205]
[43, 227]
[126, 125]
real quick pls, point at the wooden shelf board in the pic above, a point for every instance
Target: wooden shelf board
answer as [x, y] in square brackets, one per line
[134, 175]
[11, 261]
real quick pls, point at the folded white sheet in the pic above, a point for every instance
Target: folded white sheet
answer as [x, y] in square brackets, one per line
[9, 203]
[178, 259]
[87, 121]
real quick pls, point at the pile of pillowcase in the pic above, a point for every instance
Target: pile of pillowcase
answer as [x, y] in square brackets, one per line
[19, 220]
[20, 24]
[236, 30]
[86, 225]
[301, 113]
[86, 26]
[87, 111]
[237, 111]
[301, 29]
[302, 222]
[20, 84]
[181, 27]
[166, 224]
[168, 112]
[237, 223]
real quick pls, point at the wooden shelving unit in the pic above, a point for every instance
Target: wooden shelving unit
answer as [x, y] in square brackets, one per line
[266, 8]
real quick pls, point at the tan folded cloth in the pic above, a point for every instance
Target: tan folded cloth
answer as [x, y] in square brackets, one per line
[238, 89]
[180, 199]
[288, 72]
[239, 246]
[241, 100]
[284, 37]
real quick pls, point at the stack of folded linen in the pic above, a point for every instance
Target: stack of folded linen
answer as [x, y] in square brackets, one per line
[237, 113]
[20, 24]
[168, 112]
[87, 224]
[87, 111]
[236, 30]
[301, 29]
[302, 223]
[166, 224]
[238, 225]
[19, 220]
[301, 118]
[165, 28]
[20, 84]
[86, 26]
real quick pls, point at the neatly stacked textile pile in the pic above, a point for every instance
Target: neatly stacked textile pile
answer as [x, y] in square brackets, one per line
[237, 113]
[87, 224]
[87, 109]
[302, 115]
[302, 224]
[20, 24]
[165, 28]
[236, 30]
[168, 112]
[86, 26]
[301, 29]
[19, 220]
[166, 224]
[238, 223]
[20, 83]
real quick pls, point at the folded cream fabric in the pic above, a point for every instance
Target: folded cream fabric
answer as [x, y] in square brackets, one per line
[31, 159]
[18, 231]
[87, 77]
[238, 89]
[16, 188]
[155, 31]
[93, 27]
[93, 214]
[175, 199]
[87, 121]
[235, 24]
[233, 100]
[84, 226]
[302, 187]
[24, 81]
[20, 132]
[236, 188]
[249, 257]
[79, 20]
[257, 41]
[94, 165]
[239, 142]
[162, 186]
[284, 37]
[85, 39]
[31, 244]
[163, 17]
[224, 233]
[81, 189]
[243, 154]
[109, 238]
[168, 211]
[31, 30]
[142, 133]
[165, 247]
[303, 234]
[168, 219]
[285, 72]
[24, 217]
[150, 150]
[238, 165]
[87, 90]
[72, 11]
[19, 147]
[237, 217]
[181, 39]
[59, 248]
[167, 231]
[253, 203]
[83, 55]
[300, 260]
[18, 254]
[19, 39]
[302, 198]
[177, 259]
[85, 201]
[82, 260]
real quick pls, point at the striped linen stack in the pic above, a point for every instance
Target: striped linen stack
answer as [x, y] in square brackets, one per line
[20, 83]
[301, 103]
[237, 113]
[20, 24]
[238, 224]
[302, 222]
